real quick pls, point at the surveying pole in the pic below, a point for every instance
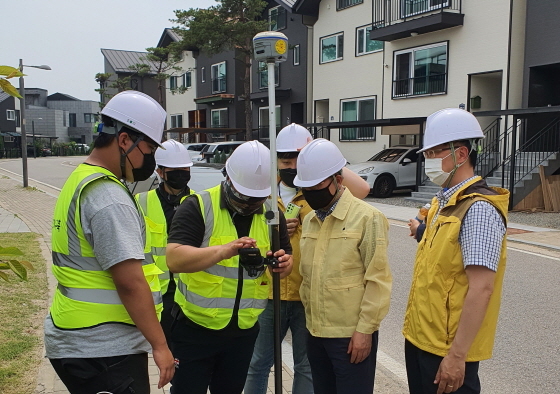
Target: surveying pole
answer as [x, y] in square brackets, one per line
[271, 47]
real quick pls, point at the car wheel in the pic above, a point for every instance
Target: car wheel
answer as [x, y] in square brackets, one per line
[384, 186]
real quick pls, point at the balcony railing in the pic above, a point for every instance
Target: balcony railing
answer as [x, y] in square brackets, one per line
[219, 85]
[390, 12]
[357, 134]
[418, 86]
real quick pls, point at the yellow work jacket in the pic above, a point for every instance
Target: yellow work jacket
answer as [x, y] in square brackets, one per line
[289, 286]
[156, 225]
[440, 283]
[208, 297]
[86, 295]
[346, 277]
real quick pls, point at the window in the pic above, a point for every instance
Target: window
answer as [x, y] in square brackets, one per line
[64, 120]
[72, 120]
[176, 121]
[10, 114]
[363, 44]
[296, 55]
[263, 75]
[18, 118]
[354, 110]
[420, 71]
[264, 127]
[331, 48]
[90, 118]
[203, 74]
[8, 139]
[219, 77]
[172, 83]
[219, 117]
[187, 79]
[341, 4]
[277, 18]
[415, 7]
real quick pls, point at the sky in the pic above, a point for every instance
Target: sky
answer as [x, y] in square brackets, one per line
[68, 35]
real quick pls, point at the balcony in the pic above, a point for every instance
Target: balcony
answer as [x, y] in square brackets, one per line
[420, 86]
[219, 85]
[396, 19]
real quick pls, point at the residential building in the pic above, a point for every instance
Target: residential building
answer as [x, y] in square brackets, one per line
[291, 76]
[10, 121]
[180, 92]
[82, 114]
[118, 63]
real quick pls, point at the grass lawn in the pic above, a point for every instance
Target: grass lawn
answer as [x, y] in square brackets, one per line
[23, 307]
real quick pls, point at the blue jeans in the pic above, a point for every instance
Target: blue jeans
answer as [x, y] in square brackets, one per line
[292, 316]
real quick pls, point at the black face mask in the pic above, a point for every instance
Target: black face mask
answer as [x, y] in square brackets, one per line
[177, 179]
[287, 176]
[148, 166]
[239, 203]
[318, 199]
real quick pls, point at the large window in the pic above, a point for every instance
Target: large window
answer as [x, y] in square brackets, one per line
[219, 117]
[219, 77]
[264, 127]
[296, 55]
[340, 4]
[176, 121]
[263, 75]
[420, 71]
[357, 109]
[187, 79]
[10, 114]
[332, 48]
[363, 43]
[277, 18]
[72, 120]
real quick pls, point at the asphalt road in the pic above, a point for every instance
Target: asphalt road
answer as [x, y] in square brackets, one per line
[527, 350]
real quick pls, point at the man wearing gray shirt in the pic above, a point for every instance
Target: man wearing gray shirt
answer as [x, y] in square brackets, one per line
[104, 316]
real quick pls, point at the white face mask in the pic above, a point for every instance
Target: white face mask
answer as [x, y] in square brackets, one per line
[434, 171]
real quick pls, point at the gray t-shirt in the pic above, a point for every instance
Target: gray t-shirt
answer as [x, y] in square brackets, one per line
[116, 231]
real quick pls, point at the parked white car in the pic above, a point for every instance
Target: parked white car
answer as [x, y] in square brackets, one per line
[388, 170]
[195, 148]
[209, 152]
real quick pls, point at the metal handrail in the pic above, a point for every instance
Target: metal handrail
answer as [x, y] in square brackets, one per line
[390, 12]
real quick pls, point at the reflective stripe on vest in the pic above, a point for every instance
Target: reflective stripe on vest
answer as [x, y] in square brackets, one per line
[86, 295]
[208, 297]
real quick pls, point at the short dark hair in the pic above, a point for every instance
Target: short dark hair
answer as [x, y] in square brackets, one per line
[287, 155]
[105, 139]
[473, 151]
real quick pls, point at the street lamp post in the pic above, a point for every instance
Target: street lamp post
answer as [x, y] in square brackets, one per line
[22, 113]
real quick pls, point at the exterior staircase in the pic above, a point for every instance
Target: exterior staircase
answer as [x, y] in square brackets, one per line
[503, 164]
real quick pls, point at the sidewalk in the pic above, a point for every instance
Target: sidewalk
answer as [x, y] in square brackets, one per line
[520, 233]
[24, 210]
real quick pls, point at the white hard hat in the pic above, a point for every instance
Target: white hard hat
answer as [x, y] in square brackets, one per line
[317, 161]
[175, 155]
[139, 112]
[291, 138]
[450, 124]
[248, 167]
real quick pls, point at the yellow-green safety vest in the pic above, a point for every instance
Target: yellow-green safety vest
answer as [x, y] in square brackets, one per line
[208, 297]
[156, 225]
[86, 295]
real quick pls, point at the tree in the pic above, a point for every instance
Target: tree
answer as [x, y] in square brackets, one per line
[231, 24]
[164, 62]
[5, 85]
[101, 79]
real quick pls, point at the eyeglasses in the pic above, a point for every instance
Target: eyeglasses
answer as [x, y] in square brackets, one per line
[430, 154]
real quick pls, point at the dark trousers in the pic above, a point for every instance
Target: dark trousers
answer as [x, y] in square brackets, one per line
[422, 367]
[117, 375]
[332, 371]
[207, 360]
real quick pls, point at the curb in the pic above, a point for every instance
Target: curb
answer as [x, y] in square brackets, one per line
[538, 244]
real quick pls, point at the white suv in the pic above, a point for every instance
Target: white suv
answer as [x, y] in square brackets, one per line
[389, 169]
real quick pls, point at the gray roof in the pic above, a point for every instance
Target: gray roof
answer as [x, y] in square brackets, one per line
[121, 60]
[62, 97]
[3, 96]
